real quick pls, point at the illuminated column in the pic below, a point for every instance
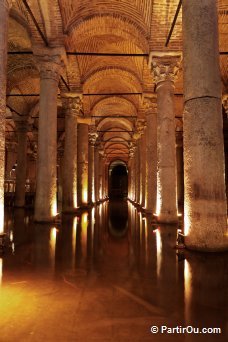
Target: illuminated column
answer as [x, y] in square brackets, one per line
[180, 167]
[74, 107]
[91, 172]
[165, 68]
[21, 170]
[205, 208]
[96, 171]
[4, 17]
[50, 65]
[150, 105]
[11, 148]
[143, 170]
[140, 126]
[130, 175]
[101, 173]
[82, 164]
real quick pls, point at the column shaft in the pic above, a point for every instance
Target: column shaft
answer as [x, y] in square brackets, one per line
[151, 156]
[82, 164]
[205, 209]
[46, 202]
[4, 18]
[167, 181]
[21, 170]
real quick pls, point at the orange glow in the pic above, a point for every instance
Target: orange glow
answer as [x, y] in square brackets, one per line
[159, 251]
[159, 199]
[187, 288]
[84, 225]
[74, 237]
[2, 215]
[54, 207]
[186, 220]
[53, 235]
[1, 270]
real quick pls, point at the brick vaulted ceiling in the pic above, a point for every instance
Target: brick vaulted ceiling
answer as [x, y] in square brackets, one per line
[98, 26]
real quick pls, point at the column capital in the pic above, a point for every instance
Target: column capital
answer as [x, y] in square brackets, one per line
[51, 62]
[225, 103]
[150, 104]
[164, 65]
[140, 127]
[74, 104]
[92, 135]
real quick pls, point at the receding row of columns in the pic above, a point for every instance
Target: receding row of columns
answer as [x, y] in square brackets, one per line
[205, 206]
[153, 182]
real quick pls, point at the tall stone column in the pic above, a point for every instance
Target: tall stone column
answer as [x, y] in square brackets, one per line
[21, 171]
[50, 64]
[150, 105]
[143, 170]
[4, 18]
[74, 107]
[91, 172]
[180, 168]
[101, 173]
[11, 159]
[165, 68]
[140, 126]
[205, 209]
[83, 165]
[96, 171]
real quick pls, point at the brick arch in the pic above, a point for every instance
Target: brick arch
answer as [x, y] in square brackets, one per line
[128, 25]
[110, 69]
[124, 104]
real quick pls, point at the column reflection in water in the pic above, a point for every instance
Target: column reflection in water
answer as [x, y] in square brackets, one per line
[206, 283]
[1, 271]
[74, 238]
[159, 251]
[84, 227]
[45, 247]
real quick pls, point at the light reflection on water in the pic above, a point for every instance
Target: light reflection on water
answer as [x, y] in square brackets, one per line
[119, 244]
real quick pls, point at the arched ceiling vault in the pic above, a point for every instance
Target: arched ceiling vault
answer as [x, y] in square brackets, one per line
[108, 81]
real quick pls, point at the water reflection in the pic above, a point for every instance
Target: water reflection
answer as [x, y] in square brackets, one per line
[114, 246]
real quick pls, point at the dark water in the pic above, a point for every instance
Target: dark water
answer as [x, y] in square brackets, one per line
[106, 275]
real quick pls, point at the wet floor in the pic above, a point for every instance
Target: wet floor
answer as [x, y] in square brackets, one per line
[107, 275]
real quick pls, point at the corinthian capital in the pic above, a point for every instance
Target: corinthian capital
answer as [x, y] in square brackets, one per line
[140, 126]
[51, 62]
[225, 103]
[149, 104]
[164, 66]
[74, 103]
[92, 135]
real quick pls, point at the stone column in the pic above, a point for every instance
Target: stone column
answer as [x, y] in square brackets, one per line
[82, 165]
[96, 171]
[11, 148]
[21, 170]
[101, 173]
[4, 18]
[205, 209]
[91, 172]
[143, 170]
[74, 107]
[140, 126]
[150, 105]
[165, 68]
[180, 168]
[49, 64]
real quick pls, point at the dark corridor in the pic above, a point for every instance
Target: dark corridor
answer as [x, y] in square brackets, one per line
[118, 182]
